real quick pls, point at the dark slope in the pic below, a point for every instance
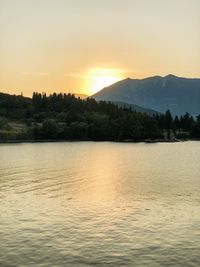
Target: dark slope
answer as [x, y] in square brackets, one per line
[136, 108]
[179, 95]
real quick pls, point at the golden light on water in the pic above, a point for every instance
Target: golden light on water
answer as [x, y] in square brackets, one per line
[98, 78]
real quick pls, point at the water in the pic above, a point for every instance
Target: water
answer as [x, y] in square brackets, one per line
[100, 204]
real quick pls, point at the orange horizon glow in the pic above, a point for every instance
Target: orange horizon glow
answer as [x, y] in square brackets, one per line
[98, 78]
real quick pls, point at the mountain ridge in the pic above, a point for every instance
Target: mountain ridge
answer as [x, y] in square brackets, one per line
[178, 94]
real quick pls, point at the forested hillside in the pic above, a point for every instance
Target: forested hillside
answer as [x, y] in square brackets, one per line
[65, 117]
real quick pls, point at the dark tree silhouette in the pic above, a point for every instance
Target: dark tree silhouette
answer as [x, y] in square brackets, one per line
[65, 117]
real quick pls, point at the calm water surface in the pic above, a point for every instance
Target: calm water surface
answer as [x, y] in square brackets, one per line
[100, 204]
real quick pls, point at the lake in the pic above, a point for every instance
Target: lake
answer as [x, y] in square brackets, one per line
[100, 204]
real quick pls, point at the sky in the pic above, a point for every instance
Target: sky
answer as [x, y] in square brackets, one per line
[80, 46]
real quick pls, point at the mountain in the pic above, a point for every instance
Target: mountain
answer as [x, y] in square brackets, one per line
[179, 95]
[136, 108]
[82, 96]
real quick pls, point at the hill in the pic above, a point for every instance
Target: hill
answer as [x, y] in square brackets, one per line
[65, 117]
[136, 108]
[179, 95]
[82, 96]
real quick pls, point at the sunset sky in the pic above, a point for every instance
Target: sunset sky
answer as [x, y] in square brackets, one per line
[83, 45]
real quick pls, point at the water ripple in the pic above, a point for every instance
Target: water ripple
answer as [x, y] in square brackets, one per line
[100, 204]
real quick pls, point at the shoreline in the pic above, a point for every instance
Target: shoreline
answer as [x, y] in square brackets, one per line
[147, 141]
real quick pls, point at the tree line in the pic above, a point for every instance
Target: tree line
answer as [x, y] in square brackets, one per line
[65, 117]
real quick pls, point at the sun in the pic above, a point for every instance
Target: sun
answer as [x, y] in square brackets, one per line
[98, 78]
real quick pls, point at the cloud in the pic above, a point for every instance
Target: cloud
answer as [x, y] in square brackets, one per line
[77, 75]
[95, 72]
[43, 73]
[26, 73]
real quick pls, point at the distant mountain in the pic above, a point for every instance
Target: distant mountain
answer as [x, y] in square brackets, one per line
[136, 108]
[179, 95]
[82, 96]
